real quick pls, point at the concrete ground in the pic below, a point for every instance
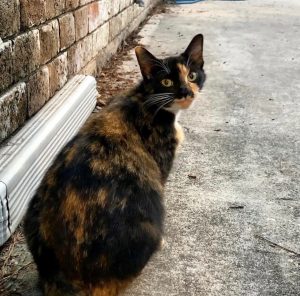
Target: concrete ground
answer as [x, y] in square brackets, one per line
[232, 200]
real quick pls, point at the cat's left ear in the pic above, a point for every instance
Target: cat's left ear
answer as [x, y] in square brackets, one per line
[194, 52]
[147, 61]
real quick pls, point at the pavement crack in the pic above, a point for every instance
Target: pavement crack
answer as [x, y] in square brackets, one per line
[277, 245]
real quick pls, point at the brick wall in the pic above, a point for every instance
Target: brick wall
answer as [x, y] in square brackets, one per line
[43, 43]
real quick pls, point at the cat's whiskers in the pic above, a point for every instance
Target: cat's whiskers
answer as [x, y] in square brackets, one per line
[161, 106]
[163, 70]
[156, 101]
[160, 99]
[164, 93]
[158, 96]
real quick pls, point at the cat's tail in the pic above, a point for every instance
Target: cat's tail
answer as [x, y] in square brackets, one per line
[110, 288]
[105, 288]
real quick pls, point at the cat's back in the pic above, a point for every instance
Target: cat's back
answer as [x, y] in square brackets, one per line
[107, 150]
[101, 187]
[109, 144]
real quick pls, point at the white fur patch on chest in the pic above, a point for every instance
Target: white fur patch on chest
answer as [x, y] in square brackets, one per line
[179, 132]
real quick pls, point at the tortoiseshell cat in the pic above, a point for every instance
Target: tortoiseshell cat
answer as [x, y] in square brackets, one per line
[97, 217]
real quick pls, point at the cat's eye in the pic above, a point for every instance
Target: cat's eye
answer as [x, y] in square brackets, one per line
[192, 76]
[167, 82]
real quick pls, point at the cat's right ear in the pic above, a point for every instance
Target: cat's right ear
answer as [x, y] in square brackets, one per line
[194, 52]
[147, 61]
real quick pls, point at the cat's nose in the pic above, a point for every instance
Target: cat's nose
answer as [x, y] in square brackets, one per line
[184, 92]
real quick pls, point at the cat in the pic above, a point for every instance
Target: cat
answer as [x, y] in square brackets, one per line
[97, 216]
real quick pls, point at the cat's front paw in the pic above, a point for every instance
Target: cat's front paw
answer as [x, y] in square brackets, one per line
[162, 244]
[179, 133]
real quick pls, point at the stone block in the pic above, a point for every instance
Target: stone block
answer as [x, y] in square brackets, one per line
[130, 13]
[86, 49]
[38, 90]
[58, 73]
[95, 19]
[49, 38]
[72, 4]
[115, 26]
[83, 2]
[136, 10]
[33, 12]
[124, 19]
[105, 10]
[26, 54]
[81, 22]
[54, 8]
[123, 4]
[74, 59]
[100, 38]
[106, 53]
[6, 77]
[9, 17]
[13, 110]
[128, 2]
[67, 30]
[114, 8]
[90, 68]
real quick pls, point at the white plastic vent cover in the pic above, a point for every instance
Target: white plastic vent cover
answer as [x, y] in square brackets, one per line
[26, 156]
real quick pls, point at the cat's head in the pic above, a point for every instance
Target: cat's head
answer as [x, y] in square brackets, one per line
[174, 82]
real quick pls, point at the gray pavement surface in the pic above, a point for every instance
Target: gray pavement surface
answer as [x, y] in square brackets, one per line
[235, 228]
[232, 200]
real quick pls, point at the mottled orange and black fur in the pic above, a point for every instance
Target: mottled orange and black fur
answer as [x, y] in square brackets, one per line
[97, 216]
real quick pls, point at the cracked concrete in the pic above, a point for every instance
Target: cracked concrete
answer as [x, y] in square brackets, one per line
[232, 200]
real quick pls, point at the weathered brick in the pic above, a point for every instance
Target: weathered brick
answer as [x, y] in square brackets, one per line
[107, 52]
[71, 4]
[100, 38]
[49, 37]
[13, 110]
[54, 8]
[115, 26]
[105, 10]
[136, 10]
[130, 13]
[58, 73]
[9, 17]
[80, 54]
[26, 54]
[38, 90]
[123, 4]
[87, 49]
[81, 22]
[5, 65]
[83, 2]
[74, 59]
[124, 18]
[90, 68]
[114, 8]
[94, 16]
[67, 30]
[33, 12]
